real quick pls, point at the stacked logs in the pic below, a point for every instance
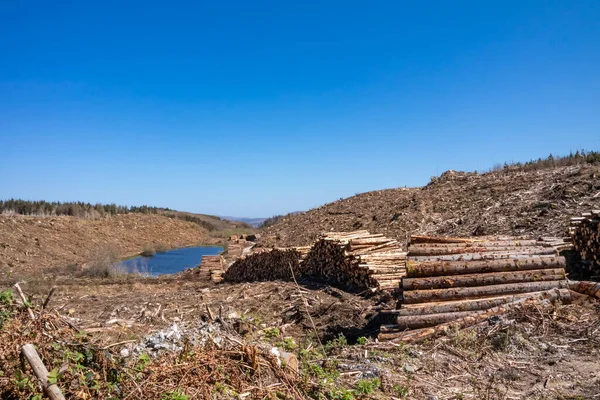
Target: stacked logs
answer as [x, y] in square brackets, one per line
[585, 232]
[356, 260]
[211, 268]
[270, 265]
[450, 279]
[352, 260]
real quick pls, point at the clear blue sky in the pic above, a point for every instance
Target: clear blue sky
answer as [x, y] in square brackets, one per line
[255, 108]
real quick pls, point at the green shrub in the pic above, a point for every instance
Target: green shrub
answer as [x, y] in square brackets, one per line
[367, 386]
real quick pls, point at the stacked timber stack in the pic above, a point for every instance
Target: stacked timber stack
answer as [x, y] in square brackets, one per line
[212, 267]
[585, 232]
[457, 279]
[356, 259]
[303, 250]
[264, 265]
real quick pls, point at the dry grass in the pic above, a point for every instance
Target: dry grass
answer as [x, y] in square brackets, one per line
[104, 263]
[148, 251]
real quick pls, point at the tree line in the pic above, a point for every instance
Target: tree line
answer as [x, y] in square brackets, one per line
[75, 209]
[577, 158]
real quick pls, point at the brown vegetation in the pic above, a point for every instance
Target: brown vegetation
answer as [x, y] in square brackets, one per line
[506, 202]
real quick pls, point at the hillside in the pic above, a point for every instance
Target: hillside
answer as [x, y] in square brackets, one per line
[28, 242]
[508, 201]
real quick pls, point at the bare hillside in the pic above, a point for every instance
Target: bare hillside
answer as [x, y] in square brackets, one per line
[28, 242]
[457, 203]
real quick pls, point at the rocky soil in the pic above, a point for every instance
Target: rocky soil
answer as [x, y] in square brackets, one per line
[457, 203]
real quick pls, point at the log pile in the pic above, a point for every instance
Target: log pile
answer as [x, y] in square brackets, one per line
[264, 266]
[585, 232]
[211, 268]
[352, 260]
[356, 260]
[454, 279]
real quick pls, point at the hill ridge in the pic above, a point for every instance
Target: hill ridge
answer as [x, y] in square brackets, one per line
[505, 201]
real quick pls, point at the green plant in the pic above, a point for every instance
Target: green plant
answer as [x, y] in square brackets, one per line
[361, 340]
[400, 390]
[174, 395]
[6, 297]
[367, 386]
[143, 361]
[289, 344]
[53, 376]
[272, 332]
[338, 342]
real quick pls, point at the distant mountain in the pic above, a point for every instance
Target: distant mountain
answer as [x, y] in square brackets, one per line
[255, 222]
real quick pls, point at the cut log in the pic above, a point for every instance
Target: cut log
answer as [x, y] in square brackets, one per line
[40, 371]
[470, 320]
[435, 251]
[492, 278]
[438, 268]
[585, 287]
[491, 243]
[497, 255]
[465, 305]
[422, 296]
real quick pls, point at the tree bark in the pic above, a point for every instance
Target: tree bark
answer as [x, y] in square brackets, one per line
[440, 268]
[491, 278]
[39, 369]
[464, 322]
[423, 296]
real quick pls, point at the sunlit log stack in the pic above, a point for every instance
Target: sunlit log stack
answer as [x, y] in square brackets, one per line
[586, 240]
[357, 260]
[212, 267]
[450, 279]
[354, 260]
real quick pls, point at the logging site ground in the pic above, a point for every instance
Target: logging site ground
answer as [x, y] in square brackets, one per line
[107, 334]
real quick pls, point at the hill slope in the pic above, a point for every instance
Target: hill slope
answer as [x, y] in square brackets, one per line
[28, 242]
[457, 203]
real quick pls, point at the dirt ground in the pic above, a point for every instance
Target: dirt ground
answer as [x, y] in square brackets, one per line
[126, 308]
[535, 353]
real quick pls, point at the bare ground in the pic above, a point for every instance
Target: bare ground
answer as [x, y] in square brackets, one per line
[533, 353]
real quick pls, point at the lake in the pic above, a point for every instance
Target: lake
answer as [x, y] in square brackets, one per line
[171, 261]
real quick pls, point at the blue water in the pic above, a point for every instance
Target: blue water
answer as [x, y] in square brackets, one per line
[171, 261]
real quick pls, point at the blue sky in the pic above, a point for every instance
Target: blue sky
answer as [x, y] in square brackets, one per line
[260, 108]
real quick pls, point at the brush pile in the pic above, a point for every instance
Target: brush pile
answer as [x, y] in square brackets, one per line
[271, 265]
[83, 367]
[450, 279]
[586, 239]
[356, 260]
